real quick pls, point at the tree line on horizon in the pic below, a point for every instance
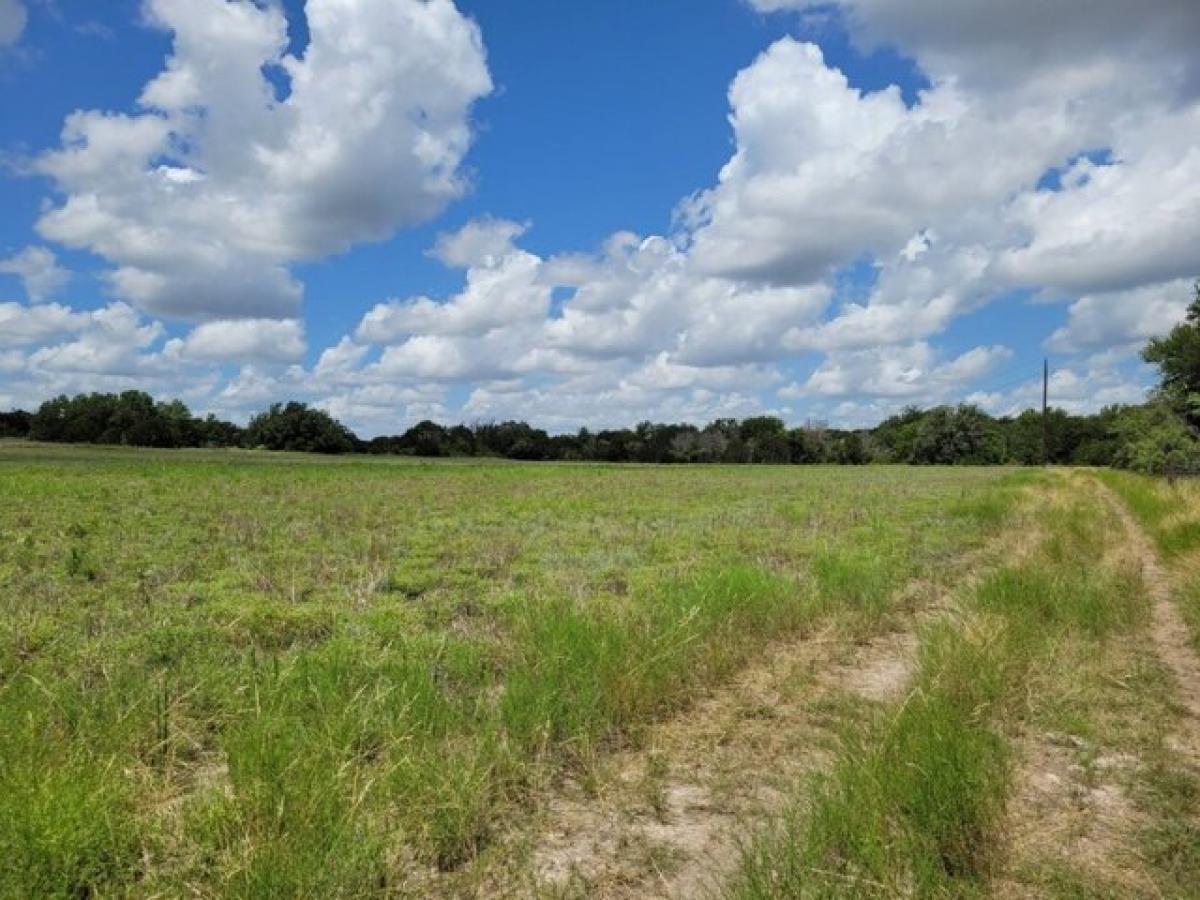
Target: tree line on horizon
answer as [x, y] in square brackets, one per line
[1149, 437]
[1160, 436]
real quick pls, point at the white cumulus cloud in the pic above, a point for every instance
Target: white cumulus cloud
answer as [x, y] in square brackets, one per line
[203, 197]
[39, 271]
[243, 341]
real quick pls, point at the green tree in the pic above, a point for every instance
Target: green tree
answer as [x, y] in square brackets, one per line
[849, 449]
[15, 424]
[956, 436]
[426, 438]
[130, 418]
[299, 427]
[896, 436]
[1154, 440]
[766, 439]
[1177, 357]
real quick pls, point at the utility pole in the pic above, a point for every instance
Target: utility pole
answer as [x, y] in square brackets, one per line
[1045, 412]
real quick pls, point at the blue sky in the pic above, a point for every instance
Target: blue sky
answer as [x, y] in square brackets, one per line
[819, 211]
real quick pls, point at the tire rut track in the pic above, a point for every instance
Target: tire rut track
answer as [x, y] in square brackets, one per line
[734, 761]
[1168, 630]
[673, 816]
[1075, 803]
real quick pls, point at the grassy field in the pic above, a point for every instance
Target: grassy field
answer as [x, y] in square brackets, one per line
[241, 674]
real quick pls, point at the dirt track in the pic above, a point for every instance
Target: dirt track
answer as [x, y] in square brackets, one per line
[1169, 632]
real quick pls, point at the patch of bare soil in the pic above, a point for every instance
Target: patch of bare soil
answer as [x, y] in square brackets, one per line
[208, 776]
[673, 819]
[1069, 807]
[883, 676]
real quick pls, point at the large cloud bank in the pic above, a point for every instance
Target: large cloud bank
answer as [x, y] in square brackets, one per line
[1055, 151]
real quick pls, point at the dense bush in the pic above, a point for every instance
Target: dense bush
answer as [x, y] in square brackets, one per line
[1161, 438]
[1153, 440]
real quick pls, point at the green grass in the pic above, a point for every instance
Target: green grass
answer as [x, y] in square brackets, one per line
[248, 675]
[1172, 841]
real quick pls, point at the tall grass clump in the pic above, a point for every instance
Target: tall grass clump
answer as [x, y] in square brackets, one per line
[859, 580]
[68, 825]
[1042, 602]
[1170, 512]
[994, 507]
[584, 674]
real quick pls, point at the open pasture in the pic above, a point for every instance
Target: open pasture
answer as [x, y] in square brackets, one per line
[242, 674]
